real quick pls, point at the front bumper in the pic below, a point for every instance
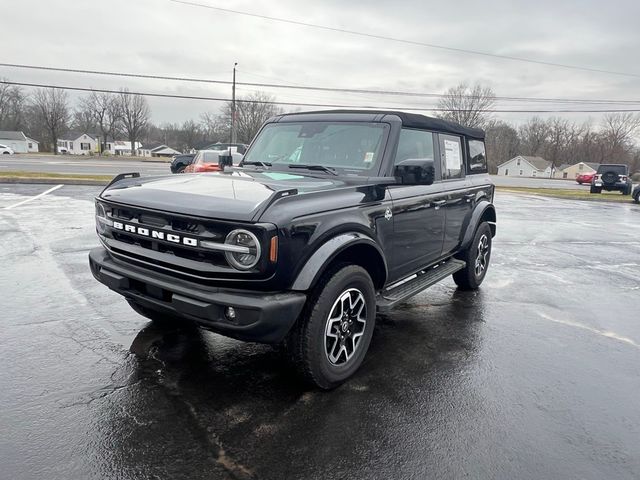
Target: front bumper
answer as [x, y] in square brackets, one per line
[260, 316]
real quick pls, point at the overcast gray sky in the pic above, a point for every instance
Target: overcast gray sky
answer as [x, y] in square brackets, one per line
[161, 37]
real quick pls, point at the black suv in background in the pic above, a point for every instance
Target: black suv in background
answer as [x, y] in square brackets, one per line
[612, 177]
[180, 162]
[331, 217]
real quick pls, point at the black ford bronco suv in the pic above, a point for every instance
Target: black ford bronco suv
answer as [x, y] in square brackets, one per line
[330, 217]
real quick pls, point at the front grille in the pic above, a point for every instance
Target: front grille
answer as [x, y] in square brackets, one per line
[168, 254]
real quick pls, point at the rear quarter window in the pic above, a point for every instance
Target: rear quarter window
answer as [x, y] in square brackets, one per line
[477, 161]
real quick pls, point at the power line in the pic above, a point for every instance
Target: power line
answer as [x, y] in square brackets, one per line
[410, 42]
[296, 104]
[310, 87]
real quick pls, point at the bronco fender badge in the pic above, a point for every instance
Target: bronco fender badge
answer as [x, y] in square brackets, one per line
[388, 214]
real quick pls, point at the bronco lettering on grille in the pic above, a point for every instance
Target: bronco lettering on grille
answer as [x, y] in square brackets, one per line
[155, 234]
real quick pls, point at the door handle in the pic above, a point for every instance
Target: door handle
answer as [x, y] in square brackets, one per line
[470, 196]
[439, 203]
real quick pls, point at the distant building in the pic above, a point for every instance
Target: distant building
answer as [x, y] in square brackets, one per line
[572, 171]
[525, 166]
[18, 142]
[158, 150]
[122, 147]
[76, 143]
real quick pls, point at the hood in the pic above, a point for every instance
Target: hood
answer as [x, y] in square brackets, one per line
[240, 196]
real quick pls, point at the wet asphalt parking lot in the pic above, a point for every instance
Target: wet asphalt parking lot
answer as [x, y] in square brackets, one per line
[537, 375]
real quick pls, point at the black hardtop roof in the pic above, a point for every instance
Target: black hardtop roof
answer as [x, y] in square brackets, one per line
[410, 120]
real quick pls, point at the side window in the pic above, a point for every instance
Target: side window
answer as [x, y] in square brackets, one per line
[477, 157]
[414, 144]
[451, 153]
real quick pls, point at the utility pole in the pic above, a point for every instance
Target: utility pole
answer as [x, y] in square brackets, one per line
[234, 135]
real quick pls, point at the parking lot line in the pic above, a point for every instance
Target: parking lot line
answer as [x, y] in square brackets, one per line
[40, 195]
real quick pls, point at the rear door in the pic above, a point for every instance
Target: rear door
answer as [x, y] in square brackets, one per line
[418, 216]
[458, 204]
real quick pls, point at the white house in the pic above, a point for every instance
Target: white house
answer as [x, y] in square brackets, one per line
[524, 166]
[76, 143]
[33, 146]
[158, 150]
[18, 142]
[121, 147]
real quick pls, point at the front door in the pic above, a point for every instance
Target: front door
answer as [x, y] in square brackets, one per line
[418, 213]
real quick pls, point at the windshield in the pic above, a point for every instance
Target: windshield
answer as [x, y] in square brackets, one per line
[351, 147]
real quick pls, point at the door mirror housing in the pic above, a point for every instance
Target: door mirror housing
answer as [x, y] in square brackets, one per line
[416, 171]
[225, 160]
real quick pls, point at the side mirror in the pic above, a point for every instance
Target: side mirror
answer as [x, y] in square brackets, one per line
[416, 171]
[225, 160]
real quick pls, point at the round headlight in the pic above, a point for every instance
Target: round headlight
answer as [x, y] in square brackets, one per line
[248, 252]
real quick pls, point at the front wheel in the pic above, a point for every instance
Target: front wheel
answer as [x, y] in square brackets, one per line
[477, 257]
[596, 189]
[330, 339]
[637, 197]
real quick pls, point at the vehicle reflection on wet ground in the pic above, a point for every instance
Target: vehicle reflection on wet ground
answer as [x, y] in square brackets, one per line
[533, 376]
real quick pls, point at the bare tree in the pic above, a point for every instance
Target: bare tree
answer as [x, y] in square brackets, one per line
[53, 110]
[13, 106]
[214, 127]
[135, 116]
[502, 143]
[617, 133]
[534, 136]
[105, 110]
[251, 112]
[468, 106]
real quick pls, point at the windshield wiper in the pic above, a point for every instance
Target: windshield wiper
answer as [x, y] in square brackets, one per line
[321, 168]
[257, 162]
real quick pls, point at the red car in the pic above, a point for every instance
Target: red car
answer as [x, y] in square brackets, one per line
[207, 160]
[585, 178]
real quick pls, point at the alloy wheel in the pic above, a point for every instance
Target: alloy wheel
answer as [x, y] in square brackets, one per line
[345, 326]
[481, 257]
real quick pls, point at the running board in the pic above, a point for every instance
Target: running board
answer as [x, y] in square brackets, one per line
[389, 298]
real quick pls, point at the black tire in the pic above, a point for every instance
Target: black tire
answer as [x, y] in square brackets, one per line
[596, 189]
[159, 318]
[180, 168]
[471, 276]
[637, 197]
[6, 153]
[310, 344]
[627, 190]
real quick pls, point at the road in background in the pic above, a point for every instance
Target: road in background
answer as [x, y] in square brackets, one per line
[79, 164]
[533, 376]
[112, 166]
[528, 182]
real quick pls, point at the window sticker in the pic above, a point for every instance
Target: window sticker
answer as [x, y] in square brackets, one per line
[368, 157]
[452, 155]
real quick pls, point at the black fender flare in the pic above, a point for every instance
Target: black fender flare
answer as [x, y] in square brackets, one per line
[322, 257]
[474, 220]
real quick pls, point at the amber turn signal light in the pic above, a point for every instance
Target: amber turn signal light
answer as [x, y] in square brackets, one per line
[273, 249]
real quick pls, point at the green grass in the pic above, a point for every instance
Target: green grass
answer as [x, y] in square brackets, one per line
[568, 194]
[61, 176]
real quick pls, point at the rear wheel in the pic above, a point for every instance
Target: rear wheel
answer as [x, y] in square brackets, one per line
[627, 190]
[637, 197]
[332, 335]
[477, 257]
[181, 168]
[596, 189]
